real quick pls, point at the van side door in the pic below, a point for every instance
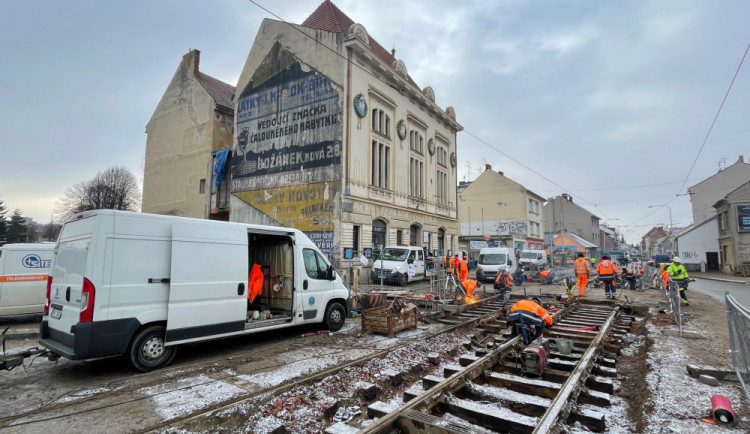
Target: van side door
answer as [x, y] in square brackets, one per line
[419, 264]
[208, 281]
[315, 283]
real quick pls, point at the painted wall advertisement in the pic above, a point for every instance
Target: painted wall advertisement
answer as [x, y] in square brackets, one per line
[288, 156]
[494, 228]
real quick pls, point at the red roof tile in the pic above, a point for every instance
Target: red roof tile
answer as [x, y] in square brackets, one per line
[330, 18]
[218, 90]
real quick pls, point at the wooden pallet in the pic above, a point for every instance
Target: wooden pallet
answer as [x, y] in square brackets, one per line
[382, 320]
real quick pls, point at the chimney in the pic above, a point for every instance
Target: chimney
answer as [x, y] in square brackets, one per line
[487, 166]
[501, 173]
[196, 60]
[567, 197]
[741, 159]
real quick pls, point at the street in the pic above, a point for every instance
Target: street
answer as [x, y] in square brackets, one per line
[716, 289]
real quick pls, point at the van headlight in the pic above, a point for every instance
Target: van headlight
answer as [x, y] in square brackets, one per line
[398, 268]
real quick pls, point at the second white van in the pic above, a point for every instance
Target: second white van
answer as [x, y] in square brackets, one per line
[23, 277]
[493, 260]
[533, 258]
[400, 264]
[133, 284]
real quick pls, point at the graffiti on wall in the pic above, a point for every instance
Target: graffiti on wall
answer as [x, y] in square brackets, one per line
[494, 227]
[288, 153]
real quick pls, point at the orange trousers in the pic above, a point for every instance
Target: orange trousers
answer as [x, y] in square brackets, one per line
[464, 274]
[583, 280]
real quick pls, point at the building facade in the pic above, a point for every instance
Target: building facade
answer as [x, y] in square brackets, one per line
[496, 211]
[706, 193]
[733, 219]
[333, 137]
[698, 246]
[567, 216]
[192, 122]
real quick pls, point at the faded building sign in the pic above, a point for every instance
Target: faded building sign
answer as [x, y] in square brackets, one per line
[287, 160]
[493, 227]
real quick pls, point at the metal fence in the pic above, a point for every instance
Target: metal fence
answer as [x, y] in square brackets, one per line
[738, 318]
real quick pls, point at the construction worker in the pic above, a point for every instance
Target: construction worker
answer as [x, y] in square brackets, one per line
[464, 268]
[628, 275]
[679, 275]
[547, 277]
[503, 281]
[593, 262]
[456, 265]
[527, 313]
[582, 271]
[607, 272]
[664, 275]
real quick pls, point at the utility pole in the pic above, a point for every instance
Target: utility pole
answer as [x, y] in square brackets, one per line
[562, 229]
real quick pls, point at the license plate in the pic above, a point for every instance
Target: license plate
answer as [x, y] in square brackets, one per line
[56, 314]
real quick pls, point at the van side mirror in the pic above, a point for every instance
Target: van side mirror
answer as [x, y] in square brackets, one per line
[410, 261]
[331, 275]
[510, 262]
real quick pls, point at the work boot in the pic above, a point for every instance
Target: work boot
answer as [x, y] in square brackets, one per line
[685, 302]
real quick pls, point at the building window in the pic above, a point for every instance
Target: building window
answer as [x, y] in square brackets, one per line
[355, 238]
[416, 142]
[442, 187]
[413, 235]
[399, 237]
[442, 156]
[202, 187]
[381, 122]
[381, 164]
[416, 176]
[441, 241]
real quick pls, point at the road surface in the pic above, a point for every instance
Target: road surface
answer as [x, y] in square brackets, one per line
[716, 289]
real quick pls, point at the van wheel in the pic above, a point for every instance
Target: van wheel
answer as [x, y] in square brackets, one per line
[147, 351]
[403, 280]
[335, 316]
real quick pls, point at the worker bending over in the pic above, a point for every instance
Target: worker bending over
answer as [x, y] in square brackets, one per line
[628, 275]
[526, 314]
[503, 281]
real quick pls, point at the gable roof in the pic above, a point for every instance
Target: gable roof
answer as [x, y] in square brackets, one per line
[738, 165]
[218, 90]
[330, 18]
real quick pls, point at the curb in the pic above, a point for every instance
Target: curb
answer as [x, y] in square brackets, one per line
[719, 279]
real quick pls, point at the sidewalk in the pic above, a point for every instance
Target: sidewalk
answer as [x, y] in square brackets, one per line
[721, 277]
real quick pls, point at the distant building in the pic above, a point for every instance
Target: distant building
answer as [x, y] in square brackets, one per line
[706, 193]
[733, 218]
[698, 246]
[495, 210]
[191, 124]
[649, 242]
[570, 217]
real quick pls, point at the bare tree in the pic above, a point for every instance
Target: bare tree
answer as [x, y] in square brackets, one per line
[115, 188]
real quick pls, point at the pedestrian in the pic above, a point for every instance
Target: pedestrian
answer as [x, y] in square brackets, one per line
[528, 313]
[464, 268]
[582, 272]
[607, 272]
[628, 275]
[679, 275]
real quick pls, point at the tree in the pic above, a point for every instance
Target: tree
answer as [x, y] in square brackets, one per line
[115, 188]
[3, 223]
[17, 228]
[51, 231]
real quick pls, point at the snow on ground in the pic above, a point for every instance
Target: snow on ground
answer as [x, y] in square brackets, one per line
[678, 401]
[193, 393]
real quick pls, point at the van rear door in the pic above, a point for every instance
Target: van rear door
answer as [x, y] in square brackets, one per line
[208, 281]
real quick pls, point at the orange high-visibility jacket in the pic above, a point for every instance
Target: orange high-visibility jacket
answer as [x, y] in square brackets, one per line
[534, 308]
[464, 265]
[469, 286]
[606, 267]
[507, 281]
[456, 262]
[255, 286]
[581, 266]
[544, 274]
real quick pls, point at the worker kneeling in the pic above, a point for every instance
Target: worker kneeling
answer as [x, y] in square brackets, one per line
[503, 281]
[528, 318]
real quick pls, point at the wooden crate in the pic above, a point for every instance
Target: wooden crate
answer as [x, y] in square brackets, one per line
[382, 320]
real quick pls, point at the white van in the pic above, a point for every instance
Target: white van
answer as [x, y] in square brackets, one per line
[139, 284]
[493, 260]
[400, 264]
[23, 277]
[536, 258]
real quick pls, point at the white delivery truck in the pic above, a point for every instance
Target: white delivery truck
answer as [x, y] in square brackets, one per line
[24, 268]
[125, 283]
[493, 260]
[400, 264]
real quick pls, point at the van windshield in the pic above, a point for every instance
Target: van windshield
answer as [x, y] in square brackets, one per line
[528, 255]
[493, 259]
[394, 254]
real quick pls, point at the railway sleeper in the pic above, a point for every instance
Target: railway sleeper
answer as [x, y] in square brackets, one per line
[600, 384]
[593, 397]
[527, 385]
[489, 416]
[552, 375]
[414, 421]
[588, 417]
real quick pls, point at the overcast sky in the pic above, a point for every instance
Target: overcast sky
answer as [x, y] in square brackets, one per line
[610, 100]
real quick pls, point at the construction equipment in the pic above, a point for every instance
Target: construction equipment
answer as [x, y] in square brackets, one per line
[533, 358]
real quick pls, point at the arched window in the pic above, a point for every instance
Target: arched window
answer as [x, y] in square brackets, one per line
[378, 234]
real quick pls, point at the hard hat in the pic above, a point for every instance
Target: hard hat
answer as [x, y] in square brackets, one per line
[676, 259]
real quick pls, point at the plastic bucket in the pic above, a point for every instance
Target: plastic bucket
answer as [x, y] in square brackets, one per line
[564, 346]
[722, 410]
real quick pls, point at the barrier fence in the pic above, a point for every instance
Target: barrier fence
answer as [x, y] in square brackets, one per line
[738, 318]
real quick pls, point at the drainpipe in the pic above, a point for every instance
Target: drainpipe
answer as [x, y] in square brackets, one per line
[347, 192]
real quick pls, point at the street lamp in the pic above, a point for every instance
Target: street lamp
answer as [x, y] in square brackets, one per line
[669, 235]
